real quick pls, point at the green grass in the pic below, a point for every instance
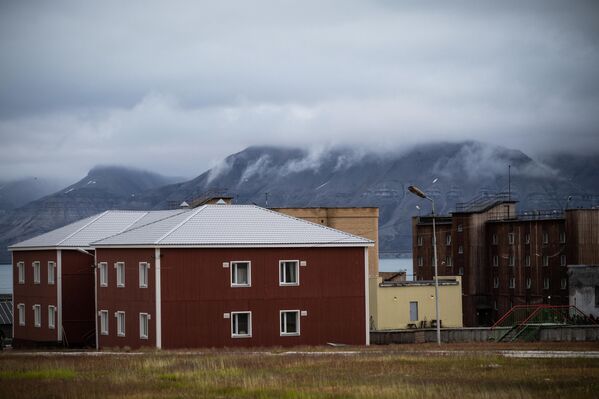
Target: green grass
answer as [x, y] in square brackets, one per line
[381, 372]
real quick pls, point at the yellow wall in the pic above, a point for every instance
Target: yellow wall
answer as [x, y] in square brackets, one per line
[392, 309]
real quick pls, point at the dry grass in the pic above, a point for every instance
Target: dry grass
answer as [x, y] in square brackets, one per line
[376, 372]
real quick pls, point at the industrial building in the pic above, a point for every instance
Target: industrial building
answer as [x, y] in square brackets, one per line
[506, 258]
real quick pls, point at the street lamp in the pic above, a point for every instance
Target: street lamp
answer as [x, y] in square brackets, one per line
[416, 191]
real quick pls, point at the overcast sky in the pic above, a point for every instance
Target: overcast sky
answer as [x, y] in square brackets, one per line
[175, 86]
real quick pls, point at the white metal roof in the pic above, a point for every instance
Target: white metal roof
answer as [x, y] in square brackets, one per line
[83, 232]
[232, 226]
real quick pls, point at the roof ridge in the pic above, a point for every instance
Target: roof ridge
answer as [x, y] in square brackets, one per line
[315, 224]
[193, 213]
[81, 228]
[144, 214]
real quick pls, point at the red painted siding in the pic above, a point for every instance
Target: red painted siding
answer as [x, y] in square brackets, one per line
[31, 294]
[78, 298]
[196, 293]
[131, 299]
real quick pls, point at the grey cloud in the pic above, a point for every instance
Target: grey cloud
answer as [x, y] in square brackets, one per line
[176, 87]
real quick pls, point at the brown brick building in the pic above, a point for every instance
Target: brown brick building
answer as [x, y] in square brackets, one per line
[506, 258]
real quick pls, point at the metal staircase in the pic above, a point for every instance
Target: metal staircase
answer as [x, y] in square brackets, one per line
[525, 321]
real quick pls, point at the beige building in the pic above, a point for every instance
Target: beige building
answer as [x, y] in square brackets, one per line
[363, 222]
[411, 304]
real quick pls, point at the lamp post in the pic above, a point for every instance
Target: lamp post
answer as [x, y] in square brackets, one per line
[416, 191]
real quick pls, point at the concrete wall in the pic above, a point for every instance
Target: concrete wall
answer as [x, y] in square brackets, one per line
[480, 334]
[392, 309]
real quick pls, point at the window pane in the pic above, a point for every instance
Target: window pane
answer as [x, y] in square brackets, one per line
[241, 324]
[291, 322]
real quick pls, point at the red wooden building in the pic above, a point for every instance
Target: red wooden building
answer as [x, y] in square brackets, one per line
[231, 275]
[53, 279]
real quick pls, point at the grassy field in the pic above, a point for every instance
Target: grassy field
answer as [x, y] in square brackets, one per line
[464, 371]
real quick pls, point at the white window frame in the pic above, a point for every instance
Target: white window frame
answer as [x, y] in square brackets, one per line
[37, 272]
[545, 237]
[527, 238]
[562, 237]
[527, 260]
[103, 270]
[282, 272]
[233, 267]
[51, 272]
[512, 282]
[461, 271]
[528, 283]
[144, 325]
[495, 282]
[144, 274]
[419, 241]
[120, 274]
[564, 283]
[460, 249]
[282, 326]
[448, 261]
[563, 260]
[546, 283]
[37, 315]
[420, 261]
[511, 260]
[495, 261]
[233, 321]
[21, 272]
[104, 321]
[120, 324]
[51, 317]
[545, 260]
[460, 228]
[447, 239]
[494, 239]
[21, 310]
[511, 239]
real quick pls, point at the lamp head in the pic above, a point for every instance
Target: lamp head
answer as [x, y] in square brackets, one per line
[416, 191]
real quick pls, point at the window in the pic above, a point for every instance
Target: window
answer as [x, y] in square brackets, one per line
[36, 273]
[562, 237]
[448, 261]
[510, 238]
[241, 274]
[495, 260]
[527, 238]
[546, 283]
[562, 260]
[241, 324]
[413, 311]
[51, 268]
[21, 308]
[420, 261]
[143, 325]
[460, 228]
[495, 282]
[545, 260]
[103, 274]
[290, 322]
[21, 272]
[494, 239]
[545, 237]
[143, 274]
[512, 260]
[289, 272]
[104, 322]
[120, 323]
[564, 284]
[419, 240]
[37, 315]
[448, 239]
[460, 249]
[51, 317]
[528, 283]
[120, 274]
[527, 260]
[461, 271]
[512, 282]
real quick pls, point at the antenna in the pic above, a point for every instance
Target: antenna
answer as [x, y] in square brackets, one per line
[509, 182]
[266, 195]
